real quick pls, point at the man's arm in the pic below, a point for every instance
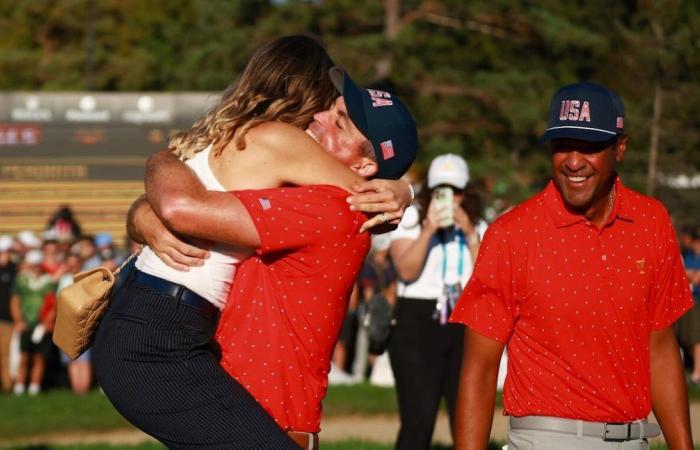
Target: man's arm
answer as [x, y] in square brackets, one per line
[409, 255]
[186, 207]
[476, 398]
[669, 396]
[144, 227]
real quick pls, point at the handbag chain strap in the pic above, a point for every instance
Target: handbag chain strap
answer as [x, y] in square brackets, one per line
[127, 261]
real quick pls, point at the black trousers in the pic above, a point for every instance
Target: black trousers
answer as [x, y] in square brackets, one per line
[155, 361]
[426, 358]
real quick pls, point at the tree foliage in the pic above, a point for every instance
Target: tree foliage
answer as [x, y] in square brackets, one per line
[478, 75]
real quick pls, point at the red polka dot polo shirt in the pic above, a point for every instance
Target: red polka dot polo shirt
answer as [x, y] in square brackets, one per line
[287, 304]
[576, 304]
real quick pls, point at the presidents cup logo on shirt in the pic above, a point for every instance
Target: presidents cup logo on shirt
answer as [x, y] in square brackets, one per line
[574, 110]
[380, 98]
[640, 266]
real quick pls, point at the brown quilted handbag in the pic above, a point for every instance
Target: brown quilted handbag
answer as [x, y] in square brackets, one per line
[80, 308]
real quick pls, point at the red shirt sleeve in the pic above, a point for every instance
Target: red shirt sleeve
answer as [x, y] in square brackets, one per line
[487, 304]
[297, 217]
[670, 294]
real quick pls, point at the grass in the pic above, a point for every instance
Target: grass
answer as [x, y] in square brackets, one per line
[342, 445]
[57, 411]
[60, 411]
[362, 399]
[366, 399]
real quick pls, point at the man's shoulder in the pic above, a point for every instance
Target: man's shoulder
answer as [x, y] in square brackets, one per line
[301, 191]
[641, 205]
[525, 212]
[322, 209]
[307, 196]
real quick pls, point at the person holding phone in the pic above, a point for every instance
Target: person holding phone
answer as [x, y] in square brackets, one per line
[433, 249]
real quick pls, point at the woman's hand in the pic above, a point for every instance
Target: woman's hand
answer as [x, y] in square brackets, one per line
[432, 219]
[463, 222]
[390, 198]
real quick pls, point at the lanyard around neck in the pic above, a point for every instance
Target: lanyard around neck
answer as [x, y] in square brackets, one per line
[460, 261]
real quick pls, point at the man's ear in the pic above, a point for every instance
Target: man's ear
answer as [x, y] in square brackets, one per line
[365, 167]
[620, 148]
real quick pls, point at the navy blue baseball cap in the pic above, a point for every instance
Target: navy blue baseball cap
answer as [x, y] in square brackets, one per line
[585, 111]
[384, 120]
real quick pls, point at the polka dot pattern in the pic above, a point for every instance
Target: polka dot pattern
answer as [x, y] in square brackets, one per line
[287, 304]
[576, 304]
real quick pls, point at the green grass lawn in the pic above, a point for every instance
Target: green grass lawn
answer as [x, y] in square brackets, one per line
[344, 445]
[60, 411]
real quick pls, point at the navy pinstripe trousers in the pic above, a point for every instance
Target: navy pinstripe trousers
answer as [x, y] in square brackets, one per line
[154, 358]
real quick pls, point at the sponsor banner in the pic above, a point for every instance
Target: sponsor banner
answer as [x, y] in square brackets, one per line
[68, 172]
[19, 135]
[135, 108]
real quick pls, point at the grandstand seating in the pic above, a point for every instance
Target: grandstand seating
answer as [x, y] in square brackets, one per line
[97, 205]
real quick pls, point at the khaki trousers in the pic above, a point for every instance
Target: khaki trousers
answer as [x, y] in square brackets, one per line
[550, 440]
[5, 337]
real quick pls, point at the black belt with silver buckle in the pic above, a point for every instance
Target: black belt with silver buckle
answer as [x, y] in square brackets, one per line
[178, 291]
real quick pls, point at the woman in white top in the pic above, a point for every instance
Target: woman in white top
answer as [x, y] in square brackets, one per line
[433, 250]
[153, 353]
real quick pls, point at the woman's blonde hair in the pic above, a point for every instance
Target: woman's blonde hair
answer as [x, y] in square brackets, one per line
[285, 80]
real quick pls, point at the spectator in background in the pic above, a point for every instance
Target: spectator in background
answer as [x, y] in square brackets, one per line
[377, 283]
[26, 240]
[85, 248]
[80, 369]
[53, 256]
[8, 271]
[104, 247]
[344, 346]
[33, 317]
[63, 225]
[689, 324]
[691, 259]
[685, 238]
[433, 251]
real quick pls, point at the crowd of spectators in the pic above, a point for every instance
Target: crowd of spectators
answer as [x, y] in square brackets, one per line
[33, 268]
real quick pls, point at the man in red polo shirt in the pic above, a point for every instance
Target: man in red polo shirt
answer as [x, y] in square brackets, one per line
[582, 282]
[287, 302]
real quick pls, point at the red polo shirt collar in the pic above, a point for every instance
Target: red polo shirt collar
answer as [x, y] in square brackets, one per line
[562, 217]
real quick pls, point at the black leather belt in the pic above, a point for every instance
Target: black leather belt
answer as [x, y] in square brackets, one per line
[178, 291]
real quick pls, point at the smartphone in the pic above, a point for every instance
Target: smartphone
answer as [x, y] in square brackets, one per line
[442, 197]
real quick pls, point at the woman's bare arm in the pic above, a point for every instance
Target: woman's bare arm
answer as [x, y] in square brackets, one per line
[296, 158]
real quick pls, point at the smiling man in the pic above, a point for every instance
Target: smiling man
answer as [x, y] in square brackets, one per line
[582, 282]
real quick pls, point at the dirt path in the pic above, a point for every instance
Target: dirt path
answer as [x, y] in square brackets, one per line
[368, 428]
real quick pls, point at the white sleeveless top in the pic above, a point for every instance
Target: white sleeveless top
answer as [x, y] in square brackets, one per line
[213, 279]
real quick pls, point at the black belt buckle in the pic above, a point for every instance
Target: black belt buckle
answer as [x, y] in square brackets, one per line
[614, 435]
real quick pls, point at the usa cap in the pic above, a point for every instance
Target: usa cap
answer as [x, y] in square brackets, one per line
[383, 119]
[586, 112]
